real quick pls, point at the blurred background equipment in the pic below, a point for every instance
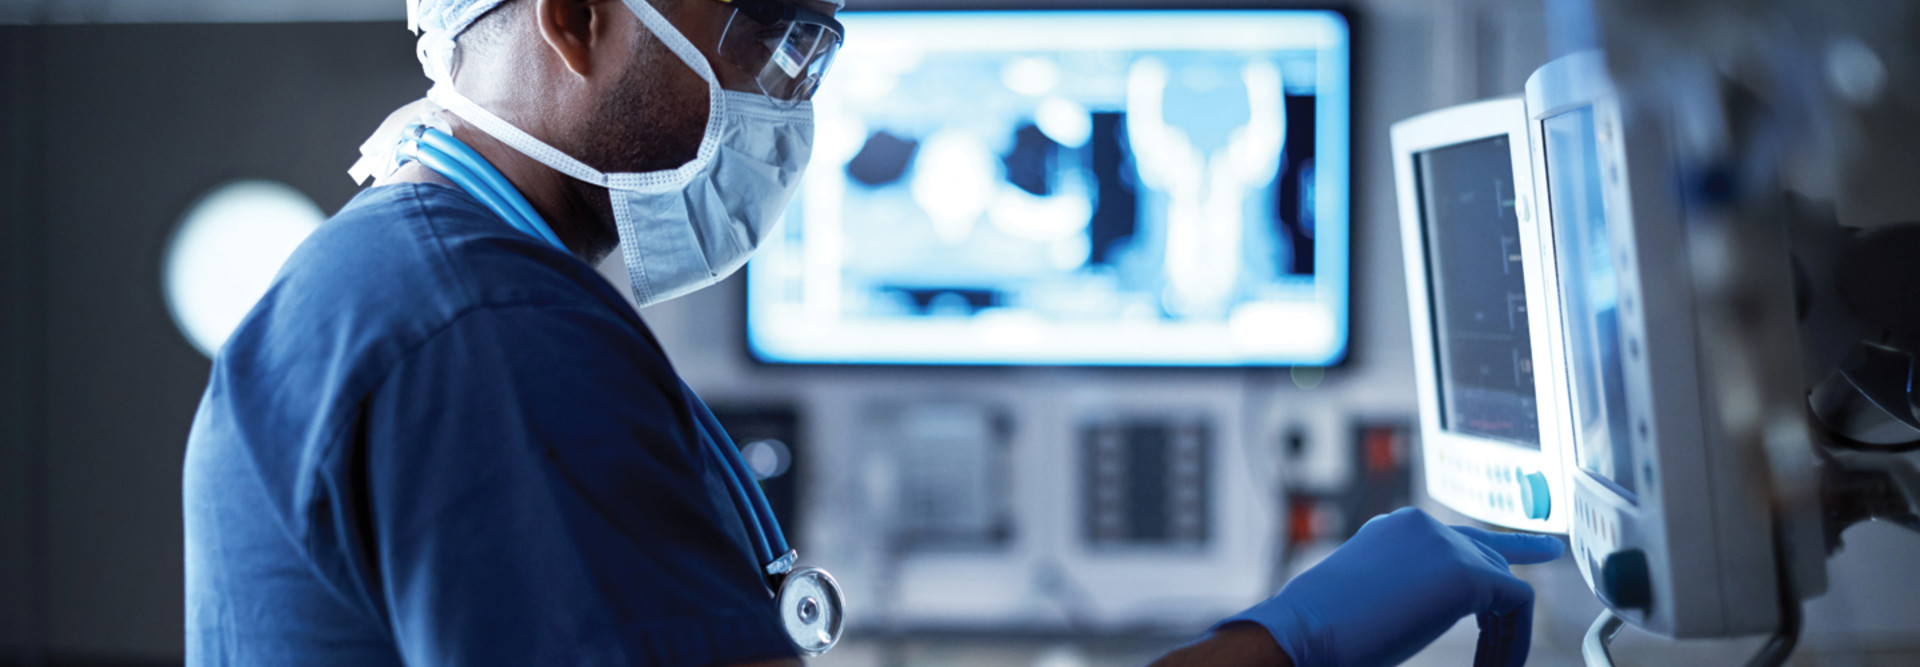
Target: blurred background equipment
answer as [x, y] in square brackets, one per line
[1144, 483]
[952, 468]
[1098, 514]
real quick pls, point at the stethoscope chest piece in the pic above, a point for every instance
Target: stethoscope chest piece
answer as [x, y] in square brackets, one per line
[812, 609]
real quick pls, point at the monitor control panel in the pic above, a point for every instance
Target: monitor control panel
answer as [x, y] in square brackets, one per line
[1492, 486]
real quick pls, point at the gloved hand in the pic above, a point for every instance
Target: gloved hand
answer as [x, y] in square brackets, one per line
[1397, 585]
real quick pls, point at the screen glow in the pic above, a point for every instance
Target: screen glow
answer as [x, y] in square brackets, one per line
[1155, 188]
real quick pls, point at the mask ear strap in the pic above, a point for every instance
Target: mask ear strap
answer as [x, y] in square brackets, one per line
[664, 29]
[450, 99]
[716, 103]
[436, 56]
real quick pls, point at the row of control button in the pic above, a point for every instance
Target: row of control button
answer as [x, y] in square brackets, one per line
[1506, 488]
[1598, 524]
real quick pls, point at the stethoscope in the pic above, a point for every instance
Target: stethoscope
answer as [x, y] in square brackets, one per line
[811, 606]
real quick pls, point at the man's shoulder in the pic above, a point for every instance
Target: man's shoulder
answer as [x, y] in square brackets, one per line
[400, 263]
[396, 271]
[427, 253]
[451, 252]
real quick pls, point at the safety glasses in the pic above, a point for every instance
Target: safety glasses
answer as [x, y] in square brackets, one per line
[786, 49]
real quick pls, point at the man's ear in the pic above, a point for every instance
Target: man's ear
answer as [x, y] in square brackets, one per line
[572, 28]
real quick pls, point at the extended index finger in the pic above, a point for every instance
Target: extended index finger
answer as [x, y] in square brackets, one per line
[1517, 548]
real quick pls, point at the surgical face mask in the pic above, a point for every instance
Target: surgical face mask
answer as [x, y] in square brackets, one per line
[686, 228]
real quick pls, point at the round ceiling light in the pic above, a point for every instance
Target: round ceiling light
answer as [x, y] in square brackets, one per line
[225, 253]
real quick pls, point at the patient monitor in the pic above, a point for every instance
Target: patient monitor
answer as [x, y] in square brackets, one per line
[1668, 520]
[1491, 426]
[1696, 305]
[1565, 285]
[1718, 289]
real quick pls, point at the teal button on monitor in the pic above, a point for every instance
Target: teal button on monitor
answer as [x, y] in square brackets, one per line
[1533, 496]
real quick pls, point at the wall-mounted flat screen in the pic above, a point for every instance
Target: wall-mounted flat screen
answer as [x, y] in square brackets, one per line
[1069, 188]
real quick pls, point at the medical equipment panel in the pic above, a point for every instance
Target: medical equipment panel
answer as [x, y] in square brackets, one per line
[1664, 524]
[954, 465]
[1047, 505]
[1145, 483]
[1382, 470]
[1069, 188]
[1491, 427]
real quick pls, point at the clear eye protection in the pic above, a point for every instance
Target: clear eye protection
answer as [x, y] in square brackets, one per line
[785, 49]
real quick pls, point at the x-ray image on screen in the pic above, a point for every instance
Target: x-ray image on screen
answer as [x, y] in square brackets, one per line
[1083, 188]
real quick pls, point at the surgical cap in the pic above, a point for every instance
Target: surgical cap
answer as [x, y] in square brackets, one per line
[448, 18]
[440, 22]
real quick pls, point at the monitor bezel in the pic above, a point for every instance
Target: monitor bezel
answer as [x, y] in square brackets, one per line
[1343, 357]
[1503, 117]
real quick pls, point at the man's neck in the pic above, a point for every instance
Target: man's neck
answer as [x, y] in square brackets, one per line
[566, 205]
[414, 172]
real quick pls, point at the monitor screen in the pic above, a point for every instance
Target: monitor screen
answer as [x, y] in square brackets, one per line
[1139, 188]
[1483, 352]
[1589, 299]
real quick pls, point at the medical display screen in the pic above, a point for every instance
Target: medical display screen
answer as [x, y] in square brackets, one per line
[1590, 299]
[1085, 188]
[1482, 349]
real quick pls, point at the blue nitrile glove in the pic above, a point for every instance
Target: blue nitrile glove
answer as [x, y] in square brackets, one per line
[1397, 585]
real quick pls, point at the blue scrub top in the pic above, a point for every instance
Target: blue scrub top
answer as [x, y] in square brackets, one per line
[439, 441]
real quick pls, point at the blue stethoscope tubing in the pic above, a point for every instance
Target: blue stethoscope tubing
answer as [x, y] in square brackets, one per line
[453, 159]
[774, 540]
[441, 152]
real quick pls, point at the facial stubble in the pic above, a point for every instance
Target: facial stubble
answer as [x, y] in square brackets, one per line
[652, 120]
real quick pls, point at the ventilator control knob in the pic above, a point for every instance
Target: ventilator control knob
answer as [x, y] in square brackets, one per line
[1534, 499]
[1624, 581]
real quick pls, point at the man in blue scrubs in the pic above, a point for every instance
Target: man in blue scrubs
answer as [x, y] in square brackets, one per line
[442, 440]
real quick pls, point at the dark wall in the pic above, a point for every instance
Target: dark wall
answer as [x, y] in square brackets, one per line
[139, 121]
[21, 296]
